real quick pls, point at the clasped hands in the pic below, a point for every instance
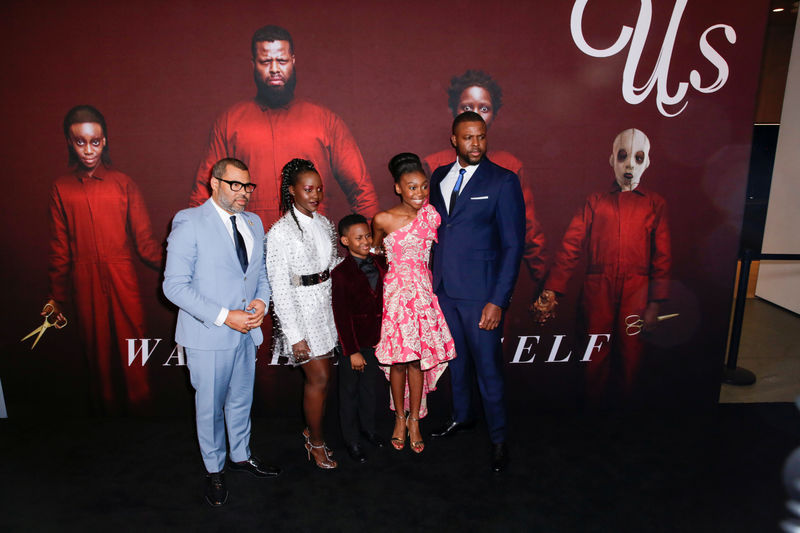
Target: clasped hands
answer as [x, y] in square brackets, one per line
[250, 318]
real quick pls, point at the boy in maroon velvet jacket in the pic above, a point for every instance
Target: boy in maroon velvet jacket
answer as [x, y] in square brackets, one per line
[357, 308]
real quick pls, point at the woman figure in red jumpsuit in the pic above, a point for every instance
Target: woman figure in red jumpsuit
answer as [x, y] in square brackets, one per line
[99, 224]
[477, 91]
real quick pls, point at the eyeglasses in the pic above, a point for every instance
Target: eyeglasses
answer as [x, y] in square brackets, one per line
[237, 185]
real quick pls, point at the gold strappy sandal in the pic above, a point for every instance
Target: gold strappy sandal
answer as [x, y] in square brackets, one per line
[400, 442]
[416, 445]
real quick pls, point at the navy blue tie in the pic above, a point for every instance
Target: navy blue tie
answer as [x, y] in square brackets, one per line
[456, 190]
[241, 250]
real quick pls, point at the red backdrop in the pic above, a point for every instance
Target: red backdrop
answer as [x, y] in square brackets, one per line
[161, 72]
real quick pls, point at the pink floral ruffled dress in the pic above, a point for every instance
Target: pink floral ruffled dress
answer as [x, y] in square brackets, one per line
[413, 326]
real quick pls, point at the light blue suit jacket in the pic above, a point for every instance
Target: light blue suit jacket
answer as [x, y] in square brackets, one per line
[203, 275]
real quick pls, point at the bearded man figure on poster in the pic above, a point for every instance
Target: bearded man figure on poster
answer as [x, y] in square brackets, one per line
[275, 127]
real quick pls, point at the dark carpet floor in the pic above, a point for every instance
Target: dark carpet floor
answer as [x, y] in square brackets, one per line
[717, 470]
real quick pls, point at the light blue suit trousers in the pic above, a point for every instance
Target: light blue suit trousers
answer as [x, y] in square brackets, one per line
[223, 381]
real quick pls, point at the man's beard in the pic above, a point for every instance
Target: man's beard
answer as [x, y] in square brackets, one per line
[471, 159]
[272, 96]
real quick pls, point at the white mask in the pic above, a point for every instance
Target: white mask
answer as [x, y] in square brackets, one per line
[630, 157]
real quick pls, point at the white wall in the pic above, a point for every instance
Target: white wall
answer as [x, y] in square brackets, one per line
[779, 281]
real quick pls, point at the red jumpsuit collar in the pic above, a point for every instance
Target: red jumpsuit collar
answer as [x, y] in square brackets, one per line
[99, 172]
[615, 188]
[263, 107]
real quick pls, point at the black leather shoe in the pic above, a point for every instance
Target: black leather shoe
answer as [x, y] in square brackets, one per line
[216, 494]
[451, 428]
[374, 439]
[499, 457]
[255, 467]
[355, 451]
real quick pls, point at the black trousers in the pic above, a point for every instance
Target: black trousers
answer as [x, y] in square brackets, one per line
[357, 396]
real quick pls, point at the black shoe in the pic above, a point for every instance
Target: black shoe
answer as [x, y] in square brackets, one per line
[499, 457]
[255, 467]
[356, 452]
[216, 493]
[374, 439]
[451, 428]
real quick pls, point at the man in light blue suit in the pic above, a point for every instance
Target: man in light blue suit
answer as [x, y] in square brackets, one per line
[475, 267]
[217, 277]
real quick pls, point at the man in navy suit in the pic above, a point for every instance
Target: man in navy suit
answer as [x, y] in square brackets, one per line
[217, 277]
[475, 267]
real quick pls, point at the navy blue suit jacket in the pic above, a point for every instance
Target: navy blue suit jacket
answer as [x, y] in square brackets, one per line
[481, 243]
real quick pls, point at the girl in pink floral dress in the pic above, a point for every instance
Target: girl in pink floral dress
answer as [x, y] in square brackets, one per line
[415, 340]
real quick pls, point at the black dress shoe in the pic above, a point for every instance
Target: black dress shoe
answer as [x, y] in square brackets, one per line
[255, 467]
[355, 451]
[216, 494]
[451, 428]
[499, 457]
[374, 439]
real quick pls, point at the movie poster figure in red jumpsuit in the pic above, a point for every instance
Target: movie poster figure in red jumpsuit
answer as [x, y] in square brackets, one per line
[477, 91]
[99, 224]
[623, 235]
[273, 128]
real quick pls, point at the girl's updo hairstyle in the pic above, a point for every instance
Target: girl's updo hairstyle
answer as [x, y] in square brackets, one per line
[403, 164]
[289, 174]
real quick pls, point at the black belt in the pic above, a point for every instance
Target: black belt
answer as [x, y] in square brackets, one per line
[311, 279]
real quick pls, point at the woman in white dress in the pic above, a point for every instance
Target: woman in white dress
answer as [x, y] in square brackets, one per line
[301, 252]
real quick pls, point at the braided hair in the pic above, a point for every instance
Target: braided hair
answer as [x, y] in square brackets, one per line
[289, 174]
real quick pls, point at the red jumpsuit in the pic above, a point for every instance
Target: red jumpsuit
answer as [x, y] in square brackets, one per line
[625, 239]
[533, 255]
[266, 139]
[98, 226]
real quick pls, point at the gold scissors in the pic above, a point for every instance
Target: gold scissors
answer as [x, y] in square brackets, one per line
[634, 323]
[59, 323]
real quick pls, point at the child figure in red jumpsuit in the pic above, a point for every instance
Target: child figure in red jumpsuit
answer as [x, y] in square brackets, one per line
[99, 225]
[622, 233]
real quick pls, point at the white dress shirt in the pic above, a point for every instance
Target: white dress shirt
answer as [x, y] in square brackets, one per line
[241, 225]
[247, 236]
[449, 181]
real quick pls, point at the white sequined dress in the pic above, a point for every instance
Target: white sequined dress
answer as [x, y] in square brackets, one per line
[302, 311]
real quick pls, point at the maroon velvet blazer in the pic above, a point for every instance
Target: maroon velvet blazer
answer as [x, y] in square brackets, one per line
[357, 309]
